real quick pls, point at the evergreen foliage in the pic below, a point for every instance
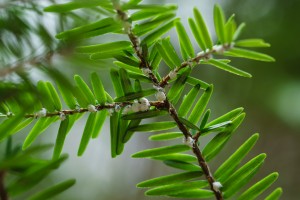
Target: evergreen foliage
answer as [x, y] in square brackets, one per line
[134, 76]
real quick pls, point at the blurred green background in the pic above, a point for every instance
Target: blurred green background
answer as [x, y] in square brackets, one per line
[271, 100]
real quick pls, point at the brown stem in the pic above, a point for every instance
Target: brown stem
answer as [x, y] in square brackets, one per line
[157, 104]
[206, 171]
[172, 111]
[136, 44]
[174, 115]
[3, 192]
[206, 55]
[196, 150]
[165, 79]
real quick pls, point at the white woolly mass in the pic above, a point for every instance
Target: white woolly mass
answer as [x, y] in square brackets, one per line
[92, 108]
[126, 110]
[144, 101]
[117, 108]
[143, 107]
[146, 71]
[202, 53]
[189, 141]
[62, 116]
[218, 49]
[41, 113]
[206, 55]
[160, 96]
[172, 74]
[217, 186]
[158, 88]
[135, 107]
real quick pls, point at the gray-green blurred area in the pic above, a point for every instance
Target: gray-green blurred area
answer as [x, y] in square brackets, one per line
[271, 99]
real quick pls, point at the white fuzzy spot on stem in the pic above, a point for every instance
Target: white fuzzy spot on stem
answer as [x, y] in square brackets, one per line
[41, 113]
[201, 54]
[160, 96]
[189, 141]
[217, 186]
[146, 71]
[62, 116]
[158, 88]
[117, 108]
[219, 49]
[144, 101]
[126, 109]
[92, 108]
[135, 106]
